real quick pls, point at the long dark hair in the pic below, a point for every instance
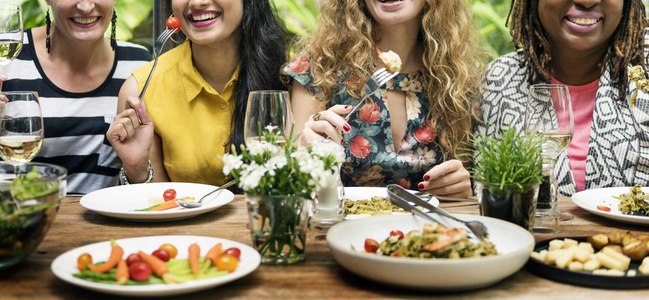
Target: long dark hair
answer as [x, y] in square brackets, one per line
[262, 54]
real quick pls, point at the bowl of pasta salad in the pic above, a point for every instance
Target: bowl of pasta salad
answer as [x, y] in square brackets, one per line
[408, 251]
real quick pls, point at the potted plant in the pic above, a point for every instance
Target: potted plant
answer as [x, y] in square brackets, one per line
[279, 181]
[507, 175]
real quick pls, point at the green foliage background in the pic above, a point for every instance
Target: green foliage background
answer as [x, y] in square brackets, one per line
[134, 22]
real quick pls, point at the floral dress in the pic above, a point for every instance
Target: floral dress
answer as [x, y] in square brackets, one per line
[371, 159]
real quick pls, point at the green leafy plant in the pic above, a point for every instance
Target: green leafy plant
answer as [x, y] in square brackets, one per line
[511, 159]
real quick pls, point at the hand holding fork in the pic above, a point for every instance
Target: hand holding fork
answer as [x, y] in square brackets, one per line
[327, 123]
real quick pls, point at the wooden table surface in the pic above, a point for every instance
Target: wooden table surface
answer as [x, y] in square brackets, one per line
[319, 277]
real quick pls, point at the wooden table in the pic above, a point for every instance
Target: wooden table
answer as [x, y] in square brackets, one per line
[318, 277]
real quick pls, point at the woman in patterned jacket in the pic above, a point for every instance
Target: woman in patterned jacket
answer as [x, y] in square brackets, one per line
[413, 129]
[588, 45]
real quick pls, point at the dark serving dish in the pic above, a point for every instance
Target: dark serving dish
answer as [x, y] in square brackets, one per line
[585, 278]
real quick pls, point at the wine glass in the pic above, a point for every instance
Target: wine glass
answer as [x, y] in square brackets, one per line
[267, 110]
[11, 32]
[21, 129]
[549, 115]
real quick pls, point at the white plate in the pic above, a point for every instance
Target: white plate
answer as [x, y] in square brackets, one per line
[66, 264]
[513, 243]
[590, 199]
[121, 201]
[366, 193]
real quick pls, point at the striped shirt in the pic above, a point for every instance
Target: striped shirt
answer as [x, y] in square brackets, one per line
[75, 124]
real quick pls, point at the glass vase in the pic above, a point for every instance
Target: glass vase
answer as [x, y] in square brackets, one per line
[278, 226]
[512, 203]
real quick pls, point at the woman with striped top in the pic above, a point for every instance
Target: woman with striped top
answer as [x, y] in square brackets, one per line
[77, 74]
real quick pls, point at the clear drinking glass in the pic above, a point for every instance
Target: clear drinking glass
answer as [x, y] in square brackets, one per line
[549, 115]
[21, 129]
[11, 32]
[265, 109]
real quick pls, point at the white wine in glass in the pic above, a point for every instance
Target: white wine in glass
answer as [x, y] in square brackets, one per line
[267, 109]
[549, 114]
[21, 128]
[11, 32]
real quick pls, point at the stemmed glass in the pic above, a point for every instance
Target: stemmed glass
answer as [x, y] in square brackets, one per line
[549, 115]
[267, 109]
[11, 32]
[21, 129]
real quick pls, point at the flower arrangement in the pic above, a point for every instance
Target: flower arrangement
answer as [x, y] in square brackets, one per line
[277, 177]
[268, 168]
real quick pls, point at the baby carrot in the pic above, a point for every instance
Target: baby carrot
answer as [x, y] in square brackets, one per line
[194, 252]
[121, 275]
[164, 206]
[158, 266]
[214, 253]
[116, 254]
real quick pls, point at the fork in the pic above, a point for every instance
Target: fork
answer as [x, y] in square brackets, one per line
[400, 197]
[157, 48]
[378, 79]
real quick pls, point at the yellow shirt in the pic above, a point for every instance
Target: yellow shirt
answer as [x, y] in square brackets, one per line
[190, 116]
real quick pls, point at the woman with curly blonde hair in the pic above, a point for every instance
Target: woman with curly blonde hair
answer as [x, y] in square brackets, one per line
[412, 131]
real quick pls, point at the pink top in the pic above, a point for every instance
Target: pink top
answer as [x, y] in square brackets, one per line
[583, 103]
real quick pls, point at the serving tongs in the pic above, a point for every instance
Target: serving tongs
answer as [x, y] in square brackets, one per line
[404, 199]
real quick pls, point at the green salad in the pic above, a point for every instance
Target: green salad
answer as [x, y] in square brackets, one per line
[634, 203]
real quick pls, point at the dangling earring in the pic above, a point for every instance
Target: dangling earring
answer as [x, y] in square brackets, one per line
[48, 23]
[113, 25]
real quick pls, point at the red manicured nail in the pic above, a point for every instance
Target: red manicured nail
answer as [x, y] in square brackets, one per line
[346, 106]
[139, 112]
[420, 186]
[426, 177]
[346, 127]
[342, 143]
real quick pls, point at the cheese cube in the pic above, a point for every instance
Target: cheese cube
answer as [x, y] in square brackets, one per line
[575, 266]
[555, 245]
[567, 243]
[625, 260]
[566, 257]
[592, 265]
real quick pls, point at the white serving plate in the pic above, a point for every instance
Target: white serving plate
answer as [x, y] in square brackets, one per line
[121, 201]
[66, 264]
[366, 193]
[590, 199]
[513, 243]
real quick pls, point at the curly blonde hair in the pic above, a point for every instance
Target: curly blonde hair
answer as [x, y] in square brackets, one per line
[346, 39]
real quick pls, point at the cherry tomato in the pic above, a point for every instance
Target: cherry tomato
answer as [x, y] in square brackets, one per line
[603, 208]
[169, 194]
[371, 245]
[227, 263]
[133, 258]
[396, 233]
[171, 249]
[139, 271]
[83, 260]
[234, 252]
[173, 23]
[395, 254]
[161, 254]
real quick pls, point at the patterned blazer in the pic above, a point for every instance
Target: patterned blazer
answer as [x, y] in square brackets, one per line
[618, 150]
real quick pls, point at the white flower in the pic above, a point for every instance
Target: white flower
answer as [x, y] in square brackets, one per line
[327, 148]
[231, 162]
[251, 175]
[257, 148]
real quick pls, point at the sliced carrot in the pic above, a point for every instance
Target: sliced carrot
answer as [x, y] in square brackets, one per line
[164, 206]
[116, 254]
[121, 275]
[158, 266]
[194, 252]
[214, 253]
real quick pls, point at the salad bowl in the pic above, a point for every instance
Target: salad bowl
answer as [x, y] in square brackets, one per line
[346, 241]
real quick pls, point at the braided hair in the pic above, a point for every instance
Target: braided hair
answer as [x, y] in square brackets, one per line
[626, 46]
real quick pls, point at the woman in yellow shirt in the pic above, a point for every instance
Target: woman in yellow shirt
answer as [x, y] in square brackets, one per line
[198, 93]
